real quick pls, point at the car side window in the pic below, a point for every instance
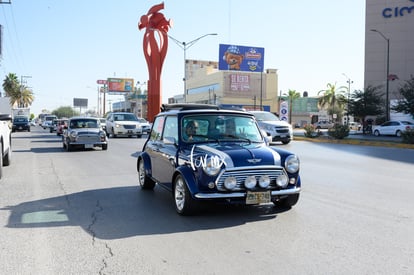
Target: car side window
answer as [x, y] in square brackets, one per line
[171, 128]
[157, 128]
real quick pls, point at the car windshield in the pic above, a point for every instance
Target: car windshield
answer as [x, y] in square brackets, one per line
[266, 116]
[20, 119]
[83, 123]
[125, 117]
[219, 127]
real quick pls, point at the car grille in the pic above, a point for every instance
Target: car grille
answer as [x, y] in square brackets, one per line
[129, 127]
[88, 138]
[242, 174]
[282, 129]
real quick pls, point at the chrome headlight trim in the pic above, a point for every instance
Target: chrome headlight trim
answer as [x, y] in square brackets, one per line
[230, 183]
[292, 164]
[250, 182]
[211, 168]
[264, 181]
[73, 134]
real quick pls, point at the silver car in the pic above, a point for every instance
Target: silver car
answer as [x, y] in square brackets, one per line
[275, 128]
[393, 127]
[84, 132]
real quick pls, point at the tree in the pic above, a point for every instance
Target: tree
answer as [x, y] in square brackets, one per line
[366, 103]
[333, 99]
[292, 96]
[23, 97]
[11, 84]
[65, 111]
[406, 104]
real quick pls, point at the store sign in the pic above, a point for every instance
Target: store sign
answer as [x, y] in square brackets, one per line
[398, 11]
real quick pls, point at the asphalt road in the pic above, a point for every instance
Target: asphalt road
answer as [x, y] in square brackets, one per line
[82, 213]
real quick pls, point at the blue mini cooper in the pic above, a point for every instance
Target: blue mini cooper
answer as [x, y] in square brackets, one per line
[202, 153]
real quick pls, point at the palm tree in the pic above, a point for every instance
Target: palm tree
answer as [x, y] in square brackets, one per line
[292, 96]
[11, 84]
[334, 99]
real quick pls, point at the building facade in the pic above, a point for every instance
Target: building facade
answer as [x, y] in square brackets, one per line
[389, 45]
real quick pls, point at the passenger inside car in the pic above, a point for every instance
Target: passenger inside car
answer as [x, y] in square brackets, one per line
[190, 130]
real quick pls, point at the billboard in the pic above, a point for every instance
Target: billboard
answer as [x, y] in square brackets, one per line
[241, 58]
[120, 85]
[80, 102]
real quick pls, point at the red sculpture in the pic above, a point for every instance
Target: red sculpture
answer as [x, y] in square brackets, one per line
[154, 22]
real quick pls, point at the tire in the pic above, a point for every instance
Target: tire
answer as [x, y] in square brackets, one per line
[7, 158]
[376, 133]
[1, 160]
[68, 147]
[104, 147]
[287, 202]
[143, 179]
[398, 133]
[184, 204]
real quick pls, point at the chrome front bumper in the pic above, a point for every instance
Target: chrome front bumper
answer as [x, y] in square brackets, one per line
[283, 192]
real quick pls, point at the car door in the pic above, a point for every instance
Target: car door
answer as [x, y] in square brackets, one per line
[161, 150]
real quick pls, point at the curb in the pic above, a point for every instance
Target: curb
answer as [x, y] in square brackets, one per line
[356, 142]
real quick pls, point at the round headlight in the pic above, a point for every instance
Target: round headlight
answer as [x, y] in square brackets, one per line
[102, 134]
[264, 181]
[212, 167]
[282, 181]
[292, 164]
[73, 134]
[250, 182]
[230, 183]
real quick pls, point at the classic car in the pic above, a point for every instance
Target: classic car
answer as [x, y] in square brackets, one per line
[84, 132]
[202, 153]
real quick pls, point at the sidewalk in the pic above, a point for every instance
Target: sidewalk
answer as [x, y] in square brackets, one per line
[357, 138]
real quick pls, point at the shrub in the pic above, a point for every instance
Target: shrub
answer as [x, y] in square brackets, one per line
[339, 131]
[311, 131]
[408, 136]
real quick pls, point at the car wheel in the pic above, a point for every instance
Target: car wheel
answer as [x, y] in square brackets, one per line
[104, 146]
[144, 180]
[7, 158]
[290, 201]
[376, 133]
[184, 203]
[1, 160]
[68, 147]
[398, 133]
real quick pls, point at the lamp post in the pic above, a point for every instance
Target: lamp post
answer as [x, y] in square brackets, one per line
[349, 81]
[387, 99]
[185, 46]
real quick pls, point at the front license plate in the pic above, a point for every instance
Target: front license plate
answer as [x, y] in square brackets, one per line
[88, 146]
[257, 197]
[130, 131]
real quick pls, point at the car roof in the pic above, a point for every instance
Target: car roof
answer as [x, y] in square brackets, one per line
[190, 108]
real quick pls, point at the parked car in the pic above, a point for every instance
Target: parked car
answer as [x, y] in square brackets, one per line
[355, 126]
[393, 127]
[146, 126]
[323, 124]
[21, 123]
[202, 153]
[123, 123]
[277, 129]
[84, 132]
[61, 124]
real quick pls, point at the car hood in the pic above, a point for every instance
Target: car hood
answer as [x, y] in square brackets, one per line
[234, 154]
[275, 123]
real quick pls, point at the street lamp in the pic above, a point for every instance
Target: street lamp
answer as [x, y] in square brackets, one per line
[185, 46]
[349, 81]
[387, 104]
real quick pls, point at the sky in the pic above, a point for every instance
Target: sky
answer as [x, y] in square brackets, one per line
[60, 48]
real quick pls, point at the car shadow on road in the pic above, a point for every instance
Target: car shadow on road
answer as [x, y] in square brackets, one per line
[123, 212]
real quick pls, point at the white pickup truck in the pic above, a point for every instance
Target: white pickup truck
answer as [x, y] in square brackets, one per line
[5, 141]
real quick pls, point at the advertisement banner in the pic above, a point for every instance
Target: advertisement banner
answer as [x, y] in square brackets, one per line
[241, 58]
[116, 85]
